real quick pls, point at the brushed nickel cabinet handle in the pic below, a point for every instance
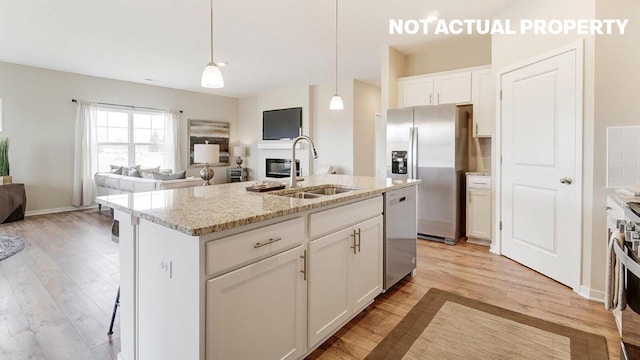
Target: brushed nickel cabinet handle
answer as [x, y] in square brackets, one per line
[608, 208]
[359, 239]
[430, 99]
[438, 98]
[270, 241]
[354, 246]
[304, 265]
[476, 128]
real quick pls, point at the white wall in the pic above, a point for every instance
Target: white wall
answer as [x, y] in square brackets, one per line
[617, 87]
[39, 120]
[450, 53]
[250, 126]
[366, 105]
[512, 49]
[333, 130]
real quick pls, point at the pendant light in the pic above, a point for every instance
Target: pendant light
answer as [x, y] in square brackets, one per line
[336, 101]
[211, 76]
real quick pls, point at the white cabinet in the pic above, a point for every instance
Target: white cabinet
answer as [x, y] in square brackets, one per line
[259, 311]
[345, 270]
[478, 208]
[415, 91]
[435, 89]
[484, 102]
[453, 88]
[367, 263]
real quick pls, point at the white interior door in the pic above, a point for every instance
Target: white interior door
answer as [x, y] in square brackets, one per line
[540, 166]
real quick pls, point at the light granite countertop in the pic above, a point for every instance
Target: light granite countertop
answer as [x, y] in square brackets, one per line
[202, 210]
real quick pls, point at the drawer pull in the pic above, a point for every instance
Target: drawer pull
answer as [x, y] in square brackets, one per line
[403, 199]
[270, 241]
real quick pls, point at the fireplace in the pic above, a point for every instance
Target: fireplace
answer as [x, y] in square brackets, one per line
[280, 168]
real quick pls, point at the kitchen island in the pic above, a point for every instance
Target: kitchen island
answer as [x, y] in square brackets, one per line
[217, 272]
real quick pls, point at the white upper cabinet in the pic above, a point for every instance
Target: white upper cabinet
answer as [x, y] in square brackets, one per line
[415, 91]
[453, 88]
[484, 102]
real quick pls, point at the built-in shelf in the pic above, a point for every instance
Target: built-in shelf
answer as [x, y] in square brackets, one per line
[279, 145]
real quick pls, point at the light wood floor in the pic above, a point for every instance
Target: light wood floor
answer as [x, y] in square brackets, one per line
[56, 296]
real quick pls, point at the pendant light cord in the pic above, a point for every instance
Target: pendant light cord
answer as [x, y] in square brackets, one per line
[211, 33]
[336, 46]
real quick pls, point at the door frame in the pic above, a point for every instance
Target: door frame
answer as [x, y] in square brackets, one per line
[496, 244]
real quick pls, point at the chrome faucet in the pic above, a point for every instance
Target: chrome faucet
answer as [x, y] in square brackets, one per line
[294, 180]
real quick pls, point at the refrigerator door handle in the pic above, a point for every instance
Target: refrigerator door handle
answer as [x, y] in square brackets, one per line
[414, 151]
[410, 155]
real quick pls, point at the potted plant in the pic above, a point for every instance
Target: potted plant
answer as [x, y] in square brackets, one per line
[4, 162]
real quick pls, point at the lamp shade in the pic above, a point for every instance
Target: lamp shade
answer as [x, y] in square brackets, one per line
[336, 103]
[240, 151]
[206, 153]
[212, 77]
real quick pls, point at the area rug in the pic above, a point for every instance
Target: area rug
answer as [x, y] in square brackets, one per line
[448, 326]
[10, 245]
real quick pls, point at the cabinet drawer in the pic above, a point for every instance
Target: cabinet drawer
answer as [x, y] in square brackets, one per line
[328, 221]
[478, 182]
[241, 249]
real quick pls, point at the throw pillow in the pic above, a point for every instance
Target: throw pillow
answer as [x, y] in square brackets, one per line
[116, 170]
[133, 172]
[175, 176]
[148, 173]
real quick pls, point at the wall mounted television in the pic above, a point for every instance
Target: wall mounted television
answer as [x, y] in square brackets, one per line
[282, 124]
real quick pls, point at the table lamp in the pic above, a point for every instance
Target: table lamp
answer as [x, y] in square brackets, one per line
[206, 154]
[239, 151]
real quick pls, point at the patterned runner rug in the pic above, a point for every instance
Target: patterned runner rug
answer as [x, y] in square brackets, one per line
[448, 326]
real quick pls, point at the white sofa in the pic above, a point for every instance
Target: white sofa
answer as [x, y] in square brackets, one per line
[112, 184]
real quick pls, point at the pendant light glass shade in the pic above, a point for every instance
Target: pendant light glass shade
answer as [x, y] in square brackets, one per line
[212, 77]
[336, 103]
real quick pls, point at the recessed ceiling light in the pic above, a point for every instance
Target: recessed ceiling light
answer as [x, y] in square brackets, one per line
[221, 63]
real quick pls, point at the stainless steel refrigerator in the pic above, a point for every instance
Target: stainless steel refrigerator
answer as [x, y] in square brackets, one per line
[430, 143]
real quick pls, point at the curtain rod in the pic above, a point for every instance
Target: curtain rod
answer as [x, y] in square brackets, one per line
[129, 106]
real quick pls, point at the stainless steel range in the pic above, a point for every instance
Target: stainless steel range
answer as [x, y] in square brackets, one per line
[628, 255]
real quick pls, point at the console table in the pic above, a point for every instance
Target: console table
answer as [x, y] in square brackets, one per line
[13, 202]
[236, 174]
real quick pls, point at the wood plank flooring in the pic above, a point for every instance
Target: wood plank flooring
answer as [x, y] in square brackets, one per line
[56, 296]
[470, 270]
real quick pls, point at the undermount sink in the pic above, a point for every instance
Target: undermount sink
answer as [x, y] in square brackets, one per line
[302, 195]
[313, 192]
[330, 190]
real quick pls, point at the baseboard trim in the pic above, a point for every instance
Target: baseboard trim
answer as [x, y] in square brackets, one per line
[58, 210]
[588, 293]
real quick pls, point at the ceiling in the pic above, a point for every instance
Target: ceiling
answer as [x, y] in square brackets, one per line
[267, 44]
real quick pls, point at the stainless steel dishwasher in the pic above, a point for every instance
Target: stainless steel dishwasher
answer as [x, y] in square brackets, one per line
[400, 232]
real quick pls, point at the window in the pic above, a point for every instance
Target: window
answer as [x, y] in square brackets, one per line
[129, 137]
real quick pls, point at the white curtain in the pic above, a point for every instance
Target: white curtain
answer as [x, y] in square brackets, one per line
[85, 154]
[172, 143]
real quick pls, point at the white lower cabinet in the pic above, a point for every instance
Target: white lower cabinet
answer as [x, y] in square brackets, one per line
[259, 311]
[479, 214]
[345, 275]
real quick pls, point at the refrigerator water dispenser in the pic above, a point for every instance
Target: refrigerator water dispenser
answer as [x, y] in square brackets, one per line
[398, 162]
